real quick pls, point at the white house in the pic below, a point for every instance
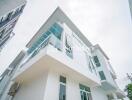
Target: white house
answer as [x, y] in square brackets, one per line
[61, 64]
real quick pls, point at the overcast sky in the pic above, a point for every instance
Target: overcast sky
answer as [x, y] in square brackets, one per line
[106, 22]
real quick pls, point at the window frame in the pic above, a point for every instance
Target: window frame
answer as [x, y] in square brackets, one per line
[96, 61]
[104, 77]
[62, 84]
[85, 91]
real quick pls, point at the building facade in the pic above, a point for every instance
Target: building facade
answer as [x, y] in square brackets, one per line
[10, 10]
[61, 64]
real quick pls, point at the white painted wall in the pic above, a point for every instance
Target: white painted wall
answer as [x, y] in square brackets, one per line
[33, 89]
[52, 88]
[79, 56]
[46, 87]
[72, 88]
[98, 94]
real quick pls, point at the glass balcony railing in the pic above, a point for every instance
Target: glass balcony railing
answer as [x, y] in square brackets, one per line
[51, 39]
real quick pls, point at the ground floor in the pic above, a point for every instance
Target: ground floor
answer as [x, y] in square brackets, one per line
[53, 85]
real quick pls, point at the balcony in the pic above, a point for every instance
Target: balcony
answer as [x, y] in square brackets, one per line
[51, 39]
[48, 56]
[9, 19]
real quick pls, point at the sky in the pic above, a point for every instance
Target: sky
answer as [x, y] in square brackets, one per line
[104, 22]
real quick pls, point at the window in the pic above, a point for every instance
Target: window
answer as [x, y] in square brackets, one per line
[96, 60]
[85, 92]
[102, 76]
[68, 45]
[62, 93]
[90, 63]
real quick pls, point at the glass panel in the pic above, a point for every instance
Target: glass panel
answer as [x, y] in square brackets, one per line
[68, 45]
[96, 60]
[89, 96]
[82, 97]
[62, 94]
[85, 92]
[82, 87]
[85, 96]
[92, 65]
[58, 28]
[55, 29]
[62, 79]
[102, 76]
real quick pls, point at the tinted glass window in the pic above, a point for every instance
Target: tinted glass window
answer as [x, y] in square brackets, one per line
[85, 92]
[96, 60]
[102, 76]
[62, 94]
[62, 79]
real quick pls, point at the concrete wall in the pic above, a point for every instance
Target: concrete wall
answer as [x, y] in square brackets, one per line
[52, 88]
[33, 89]
[46, 87]
[98, 94]
[72, 88]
